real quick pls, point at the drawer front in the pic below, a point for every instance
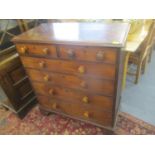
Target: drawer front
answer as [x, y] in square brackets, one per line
[78, 68]
[74, 82]
[24, 89]
[74, 96]
[107, 55]
[25, 100]
[86, 112]
[17, 74]
[37, 50]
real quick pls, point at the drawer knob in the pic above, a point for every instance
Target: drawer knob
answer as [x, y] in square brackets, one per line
[46, 78]
[81, 69]
[24, 50]
[46, 51]
[54, 106]
[85, 99]
[83, 84]
[51, 91]
[86, 114]
[71, 54]
[42, 64]
[100, 55]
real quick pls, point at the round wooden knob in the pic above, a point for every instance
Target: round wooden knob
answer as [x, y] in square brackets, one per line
[71, 54]
[86, 114]
[85, 99]
[81, 69]
[100, 55]
[51, 91]
[83, 84]
[24, 50]
[42, 64]
[54, 106]
[46, 78]
[46, 51]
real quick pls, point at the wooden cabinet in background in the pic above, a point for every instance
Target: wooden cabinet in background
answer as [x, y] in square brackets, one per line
[76, 68]
[15, 84]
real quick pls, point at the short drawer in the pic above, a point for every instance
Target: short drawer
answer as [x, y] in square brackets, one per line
[71, 67]
[37, 50]
[70, 81]
[107, 55]
[80, 97]
[74, 110]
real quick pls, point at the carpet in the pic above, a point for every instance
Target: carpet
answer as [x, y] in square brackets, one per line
[37, 124]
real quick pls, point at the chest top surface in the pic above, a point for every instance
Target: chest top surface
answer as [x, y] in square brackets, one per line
[87, 34]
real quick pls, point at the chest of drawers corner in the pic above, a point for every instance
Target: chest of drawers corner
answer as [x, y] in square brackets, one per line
[76, 76]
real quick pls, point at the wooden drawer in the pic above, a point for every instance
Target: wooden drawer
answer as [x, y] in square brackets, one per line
[74, 96]
[78, 68]
[70, 81]
[107, 55]
[84, 112]
[17, 74]
[24, 89]
[25, 100]
[37, 50]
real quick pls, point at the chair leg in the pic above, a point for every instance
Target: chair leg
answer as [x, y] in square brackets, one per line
[125, 69]
[150, 55]
[138, 72]
[145, 62]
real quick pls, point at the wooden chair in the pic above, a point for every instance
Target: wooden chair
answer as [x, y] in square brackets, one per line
[152, 44]
[140, 58]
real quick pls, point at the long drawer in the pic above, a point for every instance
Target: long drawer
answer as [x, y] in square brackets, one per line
[71, 67]
[70, 81]
[80, 97]
[86, 112]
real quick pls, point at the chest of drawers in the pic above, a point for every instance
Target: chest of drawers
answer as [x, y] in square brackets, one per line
[76, 68]
[17, 93]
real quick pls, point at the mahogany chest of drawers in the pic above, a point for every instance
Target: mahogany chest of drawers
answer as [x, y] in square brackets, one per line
[76, 68]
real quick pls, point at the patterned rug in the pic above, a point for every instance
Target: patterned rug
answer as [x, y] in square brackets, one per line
[37, 124]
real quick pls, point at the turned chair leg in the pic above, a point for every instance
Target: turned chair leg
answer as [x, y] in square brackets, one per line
[138, 72]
